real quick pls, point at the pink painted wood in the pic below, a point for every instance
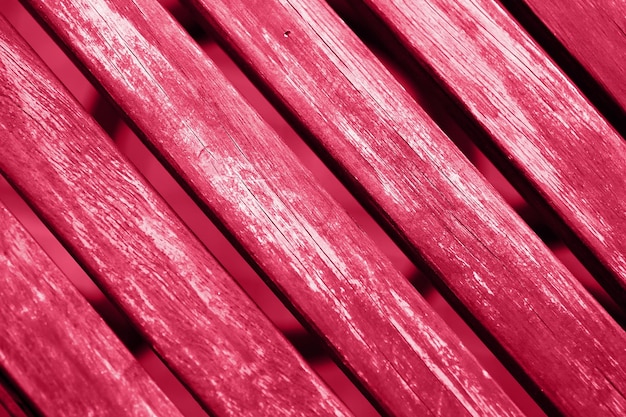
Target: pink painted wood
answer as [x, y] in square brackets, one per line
[594, 32]
[383, 145]
[46, 321]
[540, 130]
[394, 157]
[377, 325]
[194, 315]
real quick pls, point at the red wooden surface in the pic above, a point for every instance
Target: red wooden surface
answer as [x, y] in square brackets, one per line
[400, 163]
[195, 316]
[327, 109]
[45, 321]
[377, 325]
[11, 405]
[594, 32]
[539, 128]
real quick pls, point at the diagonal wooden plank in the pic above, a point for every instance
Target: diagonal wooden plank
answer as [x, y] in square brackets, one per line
[56, 348]
[538, 127]
[196, 317]
[295, 234]
[592, 31]
[499, 274]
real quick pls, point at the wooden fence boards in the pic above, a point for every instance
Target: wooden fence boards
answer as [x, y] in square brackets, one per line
[198, 320]
[298, 238]
[427, 194]
[56, 347]
[539, 128]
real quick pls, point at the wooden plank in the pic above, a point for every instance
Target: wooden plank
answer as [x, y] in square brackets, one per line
[539, 129]
[496, 271]
[378, 326]
[196, 317]
[56, 348]
[594, 33]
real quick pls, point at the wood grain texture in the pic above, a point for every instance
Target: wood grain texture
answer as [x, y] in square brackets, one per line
[594, 32]
[198, 320]
[382, 331]
[553, 144]
[56, 348]
[392, 155]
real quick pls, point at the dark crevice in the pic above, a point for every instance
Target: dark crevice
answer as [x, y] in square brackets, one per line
[13, 400]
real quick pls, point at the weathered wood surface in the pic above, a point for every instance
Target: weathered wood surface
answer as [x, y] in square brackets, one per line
[377, 325]
[56, 348]
[198, 320]
[393, 156]
[594, 32]
[539, 128]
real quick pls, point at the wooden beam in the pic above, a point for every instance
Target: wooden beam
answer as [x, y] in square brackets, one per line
[592, 31]
[381, 330]
[196, 317]
[539, 129]
[64, 358]
[499, 274]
